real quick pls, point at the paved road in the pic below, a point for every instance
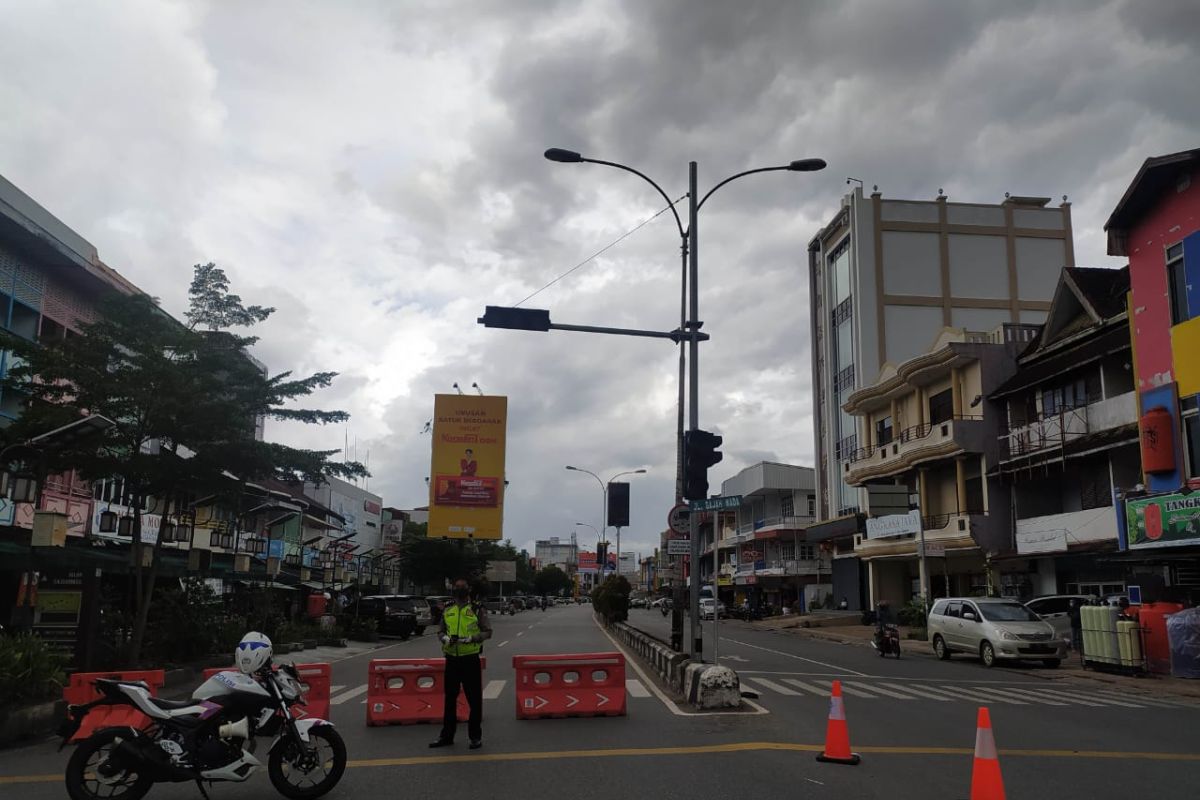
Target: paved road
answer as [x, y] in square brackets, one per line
[913, 720]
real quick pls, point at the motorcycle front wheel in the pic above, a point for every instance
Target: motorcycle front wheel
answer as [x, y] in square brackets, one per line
[91, 776]
[311, 771]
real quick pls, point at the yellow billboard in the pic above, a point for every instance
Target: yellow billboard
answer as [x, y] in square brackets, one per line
[466, 478]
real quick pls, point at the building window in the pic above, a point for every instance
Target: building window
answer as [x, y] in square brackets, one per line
[1191, 433]
[941, 406]
[883, 431]
[1095, 488]
[806, 552]
[812, 506]
[787, 506]
[1177, 284]
[839, 272]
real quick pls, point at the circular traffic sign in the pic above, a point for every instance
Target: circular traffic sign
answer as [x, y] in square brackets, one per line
[677, 519]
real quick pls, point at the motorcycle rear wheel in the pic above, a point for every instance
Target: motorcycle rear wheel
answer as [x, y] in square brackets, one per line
[84, 780]
[285, 760]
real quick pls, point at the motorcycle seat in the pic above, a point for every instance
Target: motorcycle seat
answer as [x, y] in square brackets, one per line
[171, 705]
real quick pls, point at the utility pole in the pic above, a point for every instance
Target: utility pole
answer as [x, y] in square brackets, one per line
[693, 327]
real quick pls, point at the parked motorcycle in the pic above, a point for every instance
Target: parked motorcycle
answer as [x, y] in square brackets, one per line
[886, 640]
[209, 738]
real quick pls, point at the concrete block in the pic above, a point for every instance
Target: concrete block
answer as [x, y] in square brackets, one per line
[710, 686]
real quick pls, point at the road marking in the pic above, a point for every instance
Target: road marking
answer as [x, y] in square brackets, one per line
[917, 690]
[808, 687]
[1090, 698]
[975, 696]
[520, 633]
[732, 747]
[502, 643]
[635, 688]
[493, 689]
[848, 689]
[348, 695]
[844, 670]
[1041, 698]
[846, 685]
[337, 687]
[1137, 698]
[775, 687]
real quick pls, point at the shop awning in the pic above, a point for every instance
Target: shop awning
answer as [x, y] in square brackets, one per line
[839, 528]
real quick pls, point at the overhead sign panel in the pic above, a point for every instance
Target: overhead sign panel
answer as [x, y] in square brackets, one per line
[466, 487]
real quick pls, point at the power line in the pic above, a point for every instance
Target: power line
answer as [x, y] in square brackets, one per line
[609, 246]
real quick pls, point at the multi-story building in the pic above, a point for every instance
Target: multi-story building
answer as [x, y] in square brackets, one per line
[923, 427]
[885, 276]
[1069, 436]
[761, 553]
[362, 510]
[1156, 225]
[562, 553]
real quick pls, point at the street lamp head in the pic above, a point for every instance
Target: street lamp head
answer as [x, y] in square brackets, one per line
[573, 468]
[563, 156]
[807, 165]
[639, 472]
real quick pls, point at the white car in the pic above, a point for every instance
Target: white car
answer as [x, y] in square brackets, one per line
[706, 608]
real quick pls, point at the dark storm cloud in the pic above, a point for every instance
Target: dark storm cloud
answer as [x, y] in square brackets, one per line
[375, 170]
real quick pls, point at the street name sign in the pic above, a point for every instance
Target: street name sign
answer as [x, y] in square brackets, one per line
[716, 503]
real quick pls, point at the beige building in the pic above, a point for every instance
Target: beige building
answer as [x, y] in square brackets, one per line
[923, 427]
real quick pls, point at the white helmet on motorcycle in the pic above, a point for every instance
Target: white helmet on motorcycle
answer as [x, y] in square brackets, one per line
[253, 652]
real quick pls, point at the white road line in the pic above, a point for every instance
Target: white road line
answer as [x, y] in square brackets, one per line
[502, 643]
[337, 687]
[493, 689]
[1041, 698]
[1090, 698]
[635, 688]
[973, 695]
[348, 695]
[1020, 694]
[843, 670]
[920, 691]
[1137, 698]
[808, 687]
[775, 687]
[520, 633]
[877, 688]
[850, 690]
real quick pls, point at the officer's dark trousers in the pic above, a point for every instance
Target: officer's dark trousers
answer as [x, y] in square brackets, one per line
[464, 672]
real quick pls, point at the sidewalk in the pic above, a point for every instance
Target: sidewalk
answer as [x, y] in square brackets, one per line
[1071, 669]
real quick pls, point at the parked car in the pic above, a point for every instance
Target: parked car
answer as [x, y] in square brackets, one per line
[637, 602]
[498, 605]
[993, 629]
[437, 603]
[706, 608]
[1056, 609]
[394, 614]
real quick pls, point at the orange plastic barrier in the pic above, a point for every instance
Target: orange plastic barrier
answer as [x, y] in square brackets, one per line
[571, 685]
[80, 690]
[316, 680]
[406, 691]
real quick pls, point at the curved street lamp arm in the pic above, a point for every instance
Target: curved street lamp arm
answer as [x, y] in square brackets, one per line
[647, 179]
[735, 177]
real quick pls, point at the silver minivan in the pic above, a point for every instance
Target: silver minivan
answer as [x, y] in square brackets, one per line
[993, 628]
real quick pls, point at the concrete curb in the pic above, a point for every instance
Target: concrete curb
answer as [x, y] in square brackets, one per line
[711, 686]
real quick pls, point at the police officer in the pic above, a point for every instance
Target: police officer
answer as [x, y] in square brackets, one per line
[463, 629]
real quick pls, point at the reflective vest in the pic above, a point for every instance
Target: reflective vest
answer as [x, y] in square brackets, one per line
[463, 623]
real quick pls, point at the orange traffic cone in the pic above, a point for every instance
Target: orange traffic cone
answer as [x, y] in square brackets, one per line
[986, 783]
[837, 735]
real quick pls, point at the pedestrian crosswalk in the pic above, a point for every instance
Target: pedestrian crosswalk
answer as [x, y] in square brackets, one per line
[893, 691]
[492, 690]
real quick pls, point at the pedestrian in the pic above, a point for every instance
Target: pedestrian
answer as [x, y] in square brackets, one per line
[462, 631]
[844, 605]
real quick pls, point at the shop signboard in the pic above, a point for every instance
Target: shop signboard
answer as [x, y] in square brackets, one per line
[1165, 520]
[893, 525]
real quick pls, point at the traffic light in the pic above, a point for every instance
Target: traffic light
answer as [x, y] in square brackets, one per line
[699, 453]
[601, 556]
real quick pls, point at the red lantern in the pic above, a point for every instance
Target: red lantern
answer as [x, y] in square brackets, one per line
[1158, 443]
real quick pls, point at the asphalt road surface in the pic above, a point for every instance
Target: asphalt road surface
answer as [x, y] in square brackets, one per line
[913, 721]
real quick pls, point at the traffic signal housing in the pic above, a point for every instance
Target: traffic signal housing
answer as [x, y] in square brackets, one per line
[699, 453]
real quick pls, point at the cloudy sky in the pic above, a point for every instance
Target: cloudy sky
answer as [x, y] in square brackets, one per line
[375, 171]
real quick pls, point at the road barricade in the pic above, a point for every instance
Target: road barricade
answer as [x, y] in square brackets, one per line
[80, 690]
[408, 691]
[571, 685]
[316, 680]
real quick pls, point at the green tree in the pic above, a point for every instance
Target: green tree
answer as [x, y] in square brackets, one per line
[185, 402]
[552, 581]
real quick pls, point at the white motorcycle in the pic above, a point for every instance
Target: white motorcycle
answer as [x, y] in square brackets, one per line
[207, 739]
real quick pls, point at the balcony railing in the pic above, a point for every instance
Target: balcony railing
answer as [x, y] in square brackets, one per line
[783, 566]
[912, 433]
[773, 522]
[1068, 424]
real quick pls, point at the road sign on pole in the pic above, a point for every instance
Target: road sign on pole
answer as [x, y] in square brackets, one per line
[679, 547]
[716, 503]
[677, 519]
